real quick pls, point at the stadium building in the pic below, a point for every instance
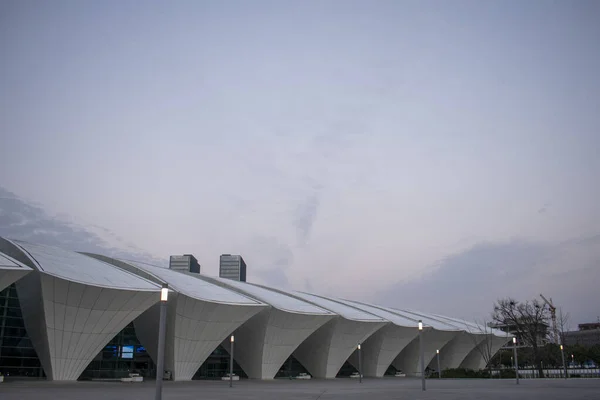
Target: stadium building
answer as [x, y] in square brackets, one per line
[66, 316]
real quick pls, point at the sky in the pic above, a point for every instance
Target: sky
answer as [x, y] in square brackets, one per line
[438, 155]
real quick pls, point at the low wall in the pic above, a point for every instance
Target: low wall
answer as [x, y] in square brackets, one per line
[555, 373]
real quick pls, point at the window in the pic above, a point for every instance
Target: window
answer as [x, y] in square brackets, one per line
[126, 352]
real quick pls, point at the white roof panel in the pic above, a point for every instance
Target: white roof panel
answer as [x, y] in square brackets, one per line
[7, 262]
[474, 327]
[83, 269]
[435, 322]
[414, 317]
[194, 288]
[278, 300]
[468, 326]
[345, 310]
[394, 318]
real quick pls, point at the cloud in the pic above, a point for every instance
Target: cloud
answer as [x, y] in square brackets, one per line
[275, 277]
[467, 284]
[308, 287]
[544, 208]
[305, 216]
[270, 261]
[25, 221]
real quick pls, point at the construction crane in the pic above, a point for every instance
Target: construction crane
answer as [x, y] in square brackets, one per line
[553, 316]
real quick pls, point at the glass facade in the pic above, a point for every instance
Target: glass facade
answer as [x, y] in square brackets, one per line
[17, 355]
[391, 371]
[346, 370]
[291, 367]
[217, 365]
[122, 355]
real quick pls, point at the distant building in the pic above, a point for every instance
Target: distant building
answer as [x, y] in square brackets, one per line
[511, 328]
[232, 267]
[589, 326]
[588, 335]
[184, 263]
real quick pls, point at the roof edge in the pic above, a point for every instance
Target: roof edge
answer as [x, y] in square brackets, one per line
[373, 321]
[240, 291]
[128, 264]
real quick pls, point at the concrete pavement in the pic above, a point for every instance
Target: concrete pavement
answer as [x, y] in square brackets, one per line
[337, 389]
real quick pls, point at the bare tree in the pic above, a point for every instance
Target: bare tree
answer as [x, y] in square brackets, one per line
[563, 320]
[529, 322]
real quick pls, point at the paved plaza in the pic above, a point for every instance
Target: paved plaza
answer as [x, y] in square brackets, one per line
[338, 389]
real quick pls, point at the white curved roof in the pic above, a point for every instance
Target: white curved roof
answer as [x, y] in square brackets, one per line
[436, 323]
[7, 262]
[393, 318]
[194, 288]
[278, 300]
[344, 310]
[468, 326]
[79, 268]
[474, 328]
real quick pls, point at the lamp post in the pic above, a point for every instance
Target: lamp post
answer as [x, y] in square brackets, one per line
[359, 365]
[231, 362]
[562, 354]
[516, 360]
[162, 327]
[438, 360]
[422, 355]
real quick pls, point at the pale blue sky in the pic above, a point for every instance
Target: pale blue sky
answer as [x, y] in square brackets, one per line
[351, 145]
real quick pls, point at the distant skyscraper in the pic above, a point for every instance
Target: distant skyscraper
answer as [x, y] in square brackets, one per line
[232, 267]
[184, 263]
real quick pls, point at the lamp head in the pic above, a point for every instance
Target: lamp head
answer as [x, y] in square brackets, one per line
[437, 351]
[514, 340]
[561, 346]
[164, 292]
[359, 346]
[420, 325]
[232, 338]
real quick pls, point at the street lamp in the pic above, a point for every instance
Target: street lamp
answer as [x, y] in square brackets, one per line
[422, 353]
[438, 360]
[516, 360]
[562, 354]
[162, 327]
[359, 365]
[231, 362]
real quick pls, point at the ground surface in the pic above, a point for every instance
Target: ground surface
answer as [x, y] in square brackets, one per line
[338, 389]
